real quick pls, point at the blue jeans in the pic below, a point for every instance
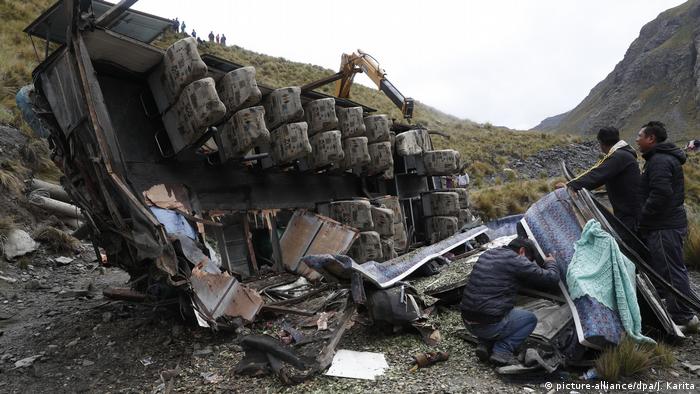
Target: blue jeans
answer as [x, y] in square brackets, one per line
[507, 334]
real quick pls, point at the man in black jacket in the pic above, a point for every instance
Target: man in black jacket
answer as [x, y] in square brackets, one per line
[489, 297]
[663, 224]
[619, 172]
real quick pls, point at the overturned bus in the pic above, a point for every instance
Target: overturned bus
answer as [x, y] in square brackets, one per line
[182, 162]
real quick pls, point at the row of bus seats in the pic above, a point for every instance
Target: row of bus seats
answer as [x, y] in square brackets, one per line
[319, 134]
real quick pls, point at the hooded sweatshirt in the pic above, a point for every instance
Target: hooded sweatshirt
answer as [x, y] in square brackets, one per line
[663, 189]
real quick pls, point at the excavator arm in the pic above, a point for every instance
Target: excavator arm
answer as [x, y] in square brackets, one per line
[363, 62]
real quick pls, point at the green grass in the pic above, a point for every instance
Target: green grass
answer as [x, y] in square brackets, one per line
[631, 359]
[510, 198]
[691, 248]
[17, 56]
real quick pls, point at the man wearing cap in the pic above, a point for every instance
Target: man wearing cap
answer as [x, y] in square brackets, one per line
[489, 298]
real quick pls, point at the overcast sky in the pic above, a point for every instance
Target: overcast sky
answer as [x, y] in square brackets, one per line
[508, 62]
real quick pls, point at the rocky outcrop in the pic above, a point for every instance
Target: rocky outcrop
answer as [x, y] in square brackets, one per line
[658, 79]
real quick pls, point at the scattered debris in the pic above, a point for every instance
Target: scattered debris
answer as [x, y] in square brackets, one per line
[63, 260]
[27, 361]
[423, 360]
[312, 234]
[146, 361]
[211, 377]
[322, 322]
[18, 243]
[357, 365]
[8, 279]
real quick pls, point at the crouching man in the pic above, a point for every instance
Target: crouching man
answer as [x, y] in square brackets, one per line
[489, 297]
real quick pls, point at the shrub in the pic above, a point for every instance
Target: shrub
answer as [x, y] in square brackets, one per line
[56, 240]
[7, 223]
[692, 243]
[631, 359]
[10, 183]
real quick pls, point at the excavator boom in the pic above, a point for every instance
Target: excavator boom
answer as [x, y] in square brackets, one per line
[363, 62]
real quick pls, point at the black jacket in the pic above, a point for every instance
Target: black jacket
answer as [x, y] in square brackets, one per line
[621, 176]
[490, 292]
[663, 188]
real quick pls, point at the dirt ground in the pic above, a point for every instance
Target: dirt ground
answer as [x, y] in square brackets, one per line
[87, 343]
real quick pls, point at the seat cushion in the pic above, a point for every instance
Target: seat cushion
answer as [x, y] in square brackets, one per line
[441, 162]
[367, 247]
[440, 204]
[411, 142]
[197, 108]
[440, 227]
[356, 152]
[283, 106]
[238, 89]
[326, 148]
[354, 213]
[181, 66]
[350, 121]
[289, 142]
[242, 132]
[383, 219]
[320, 115]
[381, 158]
[377, 128]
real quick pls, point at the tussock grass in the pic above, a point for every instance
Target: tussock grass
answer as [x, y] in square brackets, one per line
[510, 198]
[17, 57]
[10, 183]
[692, 243]
[35, 154]
[57, 240]
[7, 223]
[630, 359]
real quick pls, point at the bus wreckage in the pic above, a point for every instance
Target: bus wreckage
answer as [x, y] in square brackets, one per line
[187, 170]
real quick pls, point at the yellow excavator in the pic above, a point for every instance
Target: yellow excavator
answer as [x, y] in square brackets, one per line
[363, 62]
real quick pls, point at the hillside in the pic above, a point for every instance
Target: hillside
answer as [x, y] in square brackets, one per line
[658, 79]
[484, 147]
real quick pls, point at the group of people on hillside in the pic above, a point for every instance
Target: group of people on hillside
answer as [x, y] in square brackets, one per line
[648, 202]
[180, 27]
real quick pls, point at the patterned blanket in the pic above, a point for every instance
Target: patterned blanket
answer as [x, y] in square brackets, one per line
[555, 225]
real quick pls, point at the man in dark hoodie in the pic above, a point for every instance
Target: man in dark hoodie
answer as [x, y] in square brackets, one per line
[663, 224]
[489, 297]
[618, 170]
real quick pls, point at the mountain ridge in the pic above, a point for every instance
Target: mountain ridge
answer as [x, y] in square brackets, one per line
[657, 79]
